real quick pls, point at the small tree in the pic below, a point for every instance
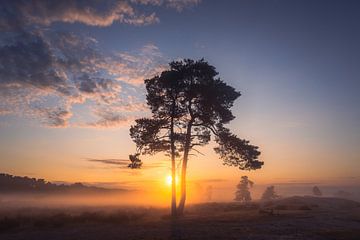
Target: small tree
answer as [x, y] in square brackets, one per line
[269, 194]
[243, 194]
[189, 103]
[316, 191]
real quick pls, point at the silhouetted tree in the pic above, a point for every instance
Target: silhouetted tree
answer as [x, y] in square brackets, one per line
[269, 194]
[316, 191]
[189, 103]
[243, 194]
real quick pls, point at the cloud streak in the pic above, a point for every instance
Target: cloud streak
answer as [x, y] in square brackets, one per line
[123, 163]
[179, 5]
[117, 162]
[18, 14]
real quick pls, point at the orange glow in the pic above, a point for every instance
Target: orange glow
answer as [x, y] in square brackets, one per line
[168, 180]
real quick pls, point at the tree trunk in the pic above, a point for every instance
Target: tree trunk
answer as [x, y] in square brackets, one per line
[173, 187]
[181, 207]
[173, 166]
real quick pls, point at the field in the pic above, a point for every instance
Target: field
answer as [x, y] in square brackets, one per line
[290, 218]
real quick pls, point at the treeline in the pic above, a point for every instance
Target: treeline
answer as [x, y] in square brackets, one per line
[14, 184]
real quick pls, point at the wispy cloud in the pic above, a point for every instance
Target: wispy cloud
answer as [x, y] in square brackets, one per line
[117, 162]
[109, 120]
[179, 5]
[123, 163]
[134, 67]
[56, 117]
[66, 69]
[18, 14]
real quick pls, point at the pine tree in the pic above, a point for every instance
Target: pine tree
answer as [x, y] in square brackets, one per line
[269, 194]
[316, 191]
[243, 194]
[190, 103]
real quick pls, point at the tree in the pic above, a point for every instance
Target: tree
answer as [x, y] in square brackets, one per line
[189, 104]
[316, 191]
[269, 194]
[243, 194]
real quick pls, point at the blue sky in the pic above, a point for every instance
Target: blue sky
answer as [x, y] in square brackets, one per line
[297, 64]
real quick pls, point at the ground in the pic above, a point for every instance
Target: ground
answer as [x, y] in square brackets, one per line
[293, 218]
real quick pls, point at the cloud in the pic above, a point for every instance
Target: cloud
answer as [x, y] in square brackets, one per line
[45, 73]
[57, 117]
[30, 102]
[143, 20]
[134, 67]
[19, 14]
[123, 163]
[116, 162]
[179, 5]
[29, 61]
[110, 119]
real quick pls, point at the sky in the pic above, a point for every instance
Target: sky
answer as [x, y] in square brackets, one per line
[71, 84]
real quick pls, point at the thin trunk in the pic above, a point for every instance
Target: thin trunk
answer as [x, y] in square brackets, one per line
[173, 166]
[181, 207]
[173, 187]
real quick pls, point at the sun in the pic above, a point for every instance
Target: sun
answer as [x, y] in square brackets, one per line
[168, 180]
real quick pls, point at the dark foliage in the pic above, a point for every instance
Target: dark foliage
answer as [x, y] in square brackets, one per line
[135, 161]
[237, 152]
[190, 94]
[11, 184]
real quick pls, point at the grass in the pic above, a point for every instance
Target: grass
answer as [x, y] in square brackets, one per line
[201, 221]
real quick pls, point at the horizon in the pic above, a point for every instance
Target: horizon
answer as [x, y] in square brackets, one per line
[122, 195]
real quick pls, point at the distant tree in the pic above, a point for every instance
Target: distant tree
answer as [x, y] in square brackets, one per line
[269, 194]
[243, 194]
[189, 103]
[316, 191]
